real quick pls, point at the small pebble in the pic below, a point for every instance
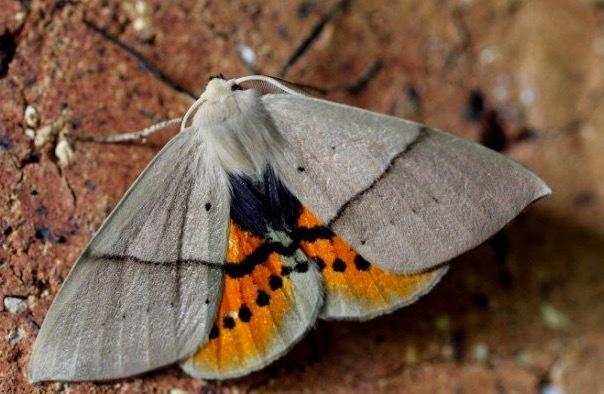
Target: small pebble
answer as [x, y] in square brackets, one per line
[42, 136]
[31, 117]
[31, 299]
[480, 352]
[553, 318]
[140, 7]
[247, 54]
[528, 96]
[19, 16]
[30, 133]
[447, 351]
[488, 55]
[526, 359]
[15, 304]
[551, 389]
[140, 24]
[63, 152]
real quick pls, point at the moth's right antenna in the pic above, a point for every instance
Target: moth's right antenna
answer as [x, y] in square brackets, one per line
[263, 82]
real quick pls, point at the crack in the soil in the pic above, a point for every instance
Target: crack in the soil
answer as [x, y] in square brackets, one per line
[465, 40]
[144, 63]
[64, 177]
[312, 36]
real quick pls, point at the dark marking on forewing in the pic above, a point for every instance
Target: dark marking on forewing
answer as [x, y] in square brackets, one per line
[421, 135]
[233, 270]
[138, 260]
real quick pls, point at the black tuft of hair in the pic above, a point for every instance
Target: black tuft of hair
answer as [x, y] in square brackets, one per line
[248, 206]
[282, 204]
[256, 205]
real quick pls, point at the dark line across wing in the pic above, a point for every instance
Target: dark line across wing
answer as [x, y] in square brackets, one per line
[421, 135]
[258, 256]
[138, 260]
[247, 265]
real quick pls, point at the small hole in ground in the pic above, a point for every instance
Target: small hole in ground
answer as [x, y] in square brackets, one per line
[8, 47]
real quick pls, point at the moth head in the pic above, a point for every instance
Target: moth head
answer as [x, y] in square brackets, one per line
[216, 103]
[216, 90]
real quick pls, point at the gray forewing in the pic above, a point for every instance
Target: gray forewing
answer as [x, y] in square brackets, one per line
[403, 195]
[145, 291]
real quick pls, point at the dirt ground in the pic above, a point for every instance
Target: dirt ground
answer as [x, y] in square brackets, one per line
[523, 313]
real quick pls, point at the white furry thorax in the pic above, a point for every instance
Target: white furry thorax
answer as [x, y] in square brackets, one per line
[237, 129]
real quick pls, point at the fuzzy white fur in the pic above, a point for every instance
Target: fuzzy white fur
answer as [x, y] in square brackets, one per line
[237, 128]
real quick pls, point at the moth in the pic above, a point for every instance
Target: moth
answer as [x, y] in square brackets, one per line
[269, 210]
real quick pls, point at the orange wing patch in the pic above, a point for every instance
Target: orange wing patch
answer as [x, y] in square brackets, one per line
[355, 288]
[256, 307]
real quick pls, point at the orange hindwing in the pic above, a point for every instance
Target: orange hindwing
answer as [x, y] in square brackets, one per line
[355, 288]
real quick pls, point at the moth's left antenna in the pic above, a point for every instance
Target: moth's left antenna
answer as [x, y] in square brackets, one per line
[140, 135]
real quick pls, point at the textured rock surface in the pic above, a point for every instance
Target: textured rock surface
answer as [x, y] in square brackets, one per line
[522, 313]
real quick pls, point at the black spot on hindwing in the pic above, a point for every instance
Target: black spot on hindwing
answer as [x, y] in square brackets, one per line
[214, 332]
[339, 265]
[361, 263]
[245, 314]
[228, 322]
[275, 282]
[262, 299]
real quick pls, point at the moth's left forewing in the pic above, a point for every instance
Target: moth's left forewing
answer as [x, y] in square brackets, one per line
[145, 291]
[405, 196]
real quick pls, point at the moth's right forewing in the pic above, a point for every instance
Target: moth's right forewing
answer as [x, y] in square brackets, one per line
[405, 196]
[145, 291]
